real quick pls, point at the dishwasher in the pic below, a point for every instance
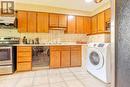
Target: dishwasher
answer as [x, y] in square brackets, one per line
[40, 57]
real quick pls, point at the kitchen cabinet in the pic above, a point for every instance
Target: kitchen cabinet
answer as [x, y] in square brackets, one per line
[76, 56]
[22, 21]
[53, 20]
[32, 21]
[101, 22]
[87, 25]
[62, 21]
[107, 15]
[42, 22]
[54, 59]
[79, 25]
[59, 56]
[65, 56]
[57, 21]
[71, 25]
[24, 58]
[94, 24]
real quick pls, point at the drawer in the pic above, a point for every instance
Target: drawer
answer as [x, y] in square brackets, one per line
[24, 59]
[65, 47]
[25, 66]
[55, 48]
[24, 54]
[23, 48]
[75, 48]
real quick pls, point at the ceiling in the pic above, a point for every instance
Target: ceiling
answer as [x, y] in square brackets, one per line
[69, 4]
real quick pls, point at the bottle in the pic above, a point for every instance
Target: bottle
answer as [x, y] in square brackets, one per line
[24, 40]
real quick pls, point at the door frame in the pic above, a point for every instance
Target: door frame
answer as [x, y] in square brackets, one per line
[113, 40]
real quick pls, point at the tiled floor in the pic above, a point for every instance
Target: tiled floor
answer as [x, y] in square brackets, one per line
[67, 77]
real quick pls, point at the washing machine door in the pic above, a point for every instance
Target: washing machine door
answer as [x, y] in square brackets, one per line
[95, 58]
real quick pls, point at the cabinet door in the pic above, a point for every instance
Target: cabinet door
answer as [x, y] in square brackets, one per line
[87, 25]
[75, 58]
[107, 15]
[101, 22]
[71, 24]
[79, 25]
[55, 59]
[63, 21]
[25, 66]
[65, 58]
[22, 21]
[53, 20]
[94, 24]
[32, 22]
[42, 22]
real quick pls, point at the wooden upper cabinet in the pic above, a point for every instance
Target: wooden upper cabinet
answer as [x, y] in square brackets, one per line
[79, 25]
[71, 24]
[32, 18]
[62, 21]
[42, 22]
[53, 20]
[58, 20]
[101, 22]
[22, 21]
[94, 24]
[87, 25]
[107, 15]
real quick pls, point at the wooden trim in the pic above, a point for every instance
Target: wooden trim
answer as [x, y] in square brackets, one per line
[100, 12]
[100, 33]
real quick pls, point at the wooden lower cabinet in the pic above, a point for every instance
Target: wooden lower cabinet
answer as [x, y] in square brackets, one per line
[24, 66]
[54, 59]
[75, 58]
[24, 58]
[65, 58]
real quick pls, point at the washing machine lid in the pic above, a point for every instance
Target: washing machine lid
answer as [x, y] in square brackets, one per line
[96, 58]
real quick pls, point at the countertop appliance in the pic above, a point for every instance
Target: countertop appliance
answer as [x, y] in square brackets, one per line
[7, 51]
[99, 61]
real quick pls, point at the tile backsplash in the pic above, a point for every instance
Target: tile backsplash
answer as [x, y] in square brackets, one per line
[56, 36]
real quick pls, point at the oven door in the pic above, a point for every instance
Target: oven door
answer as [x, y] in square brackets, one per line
[5, 55]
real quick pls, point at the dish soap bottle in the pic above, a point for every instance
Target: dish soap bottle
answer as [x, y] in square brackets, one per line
[24, 40]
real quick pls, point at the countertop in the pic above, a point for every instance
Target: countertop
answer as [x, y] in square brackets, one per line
[49, 44]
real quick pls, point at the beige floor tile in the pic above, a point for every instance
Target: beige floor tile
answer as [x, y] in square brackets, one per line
[40, 80]
[65, 70]
[68, 76]
[55, 79]
[59, 84]
[24, 82]
[43, 85]
[29, 74]
[40, 73]
[74, 83]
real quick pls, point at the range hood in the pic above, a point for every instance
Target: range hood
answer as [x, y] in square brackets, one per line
[7, 22]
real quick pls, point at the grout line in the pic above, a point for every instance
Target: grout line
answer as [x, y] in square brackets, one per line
[33, 79]
[48, 78]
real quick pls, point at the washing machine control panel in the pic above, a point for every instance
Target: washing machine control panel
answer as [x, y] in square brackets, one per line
[100, 45]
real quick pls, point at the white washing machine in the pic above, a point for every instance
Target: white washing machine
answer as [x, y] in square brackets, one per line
[99, 61]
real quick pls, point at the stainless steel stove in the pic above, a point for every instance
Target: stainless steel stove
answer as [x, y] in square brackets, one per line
[6, 54]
